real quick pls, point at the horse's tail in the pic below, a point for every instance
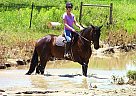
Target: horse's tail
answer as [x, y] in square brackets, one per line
[34, 63]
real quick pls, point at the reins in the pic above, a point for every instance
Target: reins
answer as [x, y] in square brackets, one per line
[84, 38]
[89, 43]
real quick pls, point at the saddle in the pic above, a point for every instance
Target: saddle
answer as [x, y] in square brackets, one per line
[60, 40]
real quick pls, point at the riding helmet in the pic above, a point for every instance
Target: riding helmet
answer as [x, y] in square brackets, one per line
[69, 5]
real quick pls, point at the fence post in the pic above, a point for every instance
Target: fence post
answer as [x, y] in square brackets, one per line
[31, 15]
[111, 9]
[80, 15]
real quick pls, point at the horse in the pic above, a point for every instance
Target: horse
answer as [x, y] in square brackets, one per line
[80, 50]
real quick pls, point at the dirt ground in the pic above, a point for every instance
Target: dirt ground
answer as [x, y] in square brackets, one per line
[130, 91]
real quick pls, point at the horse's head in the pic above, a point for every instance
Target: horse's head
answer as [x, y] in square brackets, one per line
[95, 35]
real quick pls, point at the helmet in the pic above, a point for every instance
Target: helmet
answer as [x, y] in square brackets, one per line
[69, 5]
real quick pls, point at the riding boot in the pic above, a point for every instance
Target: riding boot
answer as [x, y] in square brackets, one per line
[67, 50]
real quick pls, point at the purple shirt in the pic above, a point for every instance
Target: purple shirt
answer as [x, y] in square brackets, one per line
[69, 19]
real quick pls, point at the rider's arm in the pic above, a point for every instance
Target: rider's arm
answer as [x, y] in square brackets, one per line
[66, 25]
[80, 27]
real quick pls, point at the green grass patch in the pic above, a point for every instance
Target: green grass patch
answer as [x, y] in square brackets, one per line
[131, 74]
[15, 17]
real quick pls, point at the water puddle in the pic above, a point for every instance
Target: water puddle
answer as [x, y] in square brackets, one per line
[66, 74]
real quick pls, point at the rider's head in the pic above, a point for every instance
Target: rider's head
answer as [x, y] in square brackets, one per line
[69, 5]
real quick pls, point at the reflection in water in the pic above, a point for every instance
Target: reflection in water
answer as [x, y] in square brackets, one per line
[116, 61]
[130, 66]
[38, 81]
[84, 83]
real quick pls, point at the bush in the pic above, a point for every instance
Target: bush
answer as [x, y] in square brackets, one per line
[131, 74]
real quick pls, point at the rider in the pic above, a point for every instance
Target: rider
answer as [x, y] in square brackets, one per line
[69, 20]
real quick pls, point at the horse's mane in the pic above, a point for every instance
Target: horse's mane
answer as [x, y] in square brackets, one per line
[84, 30]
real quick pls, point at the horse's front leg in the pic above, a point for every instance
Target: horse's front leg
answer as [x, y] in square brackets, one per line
[84, 69]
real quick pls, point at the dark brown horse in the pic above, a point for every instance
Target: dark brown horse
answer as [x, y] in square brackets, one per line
[46, 49]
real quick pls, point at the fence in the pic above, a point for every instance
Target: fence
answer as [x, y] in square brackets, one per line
[13, 6]
[38, 8]
[109, 6]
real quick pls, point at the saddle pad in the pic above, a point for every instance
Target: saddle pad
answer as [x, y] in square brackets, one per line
[60, 41]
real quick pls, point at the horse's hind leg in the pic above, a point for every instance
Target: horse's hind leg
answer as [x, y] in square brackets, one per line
[43, 60]
[34, 63]
[40, 68]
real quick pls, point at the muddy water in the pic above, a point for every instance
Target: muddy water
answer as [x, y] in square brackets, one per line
[65, 74]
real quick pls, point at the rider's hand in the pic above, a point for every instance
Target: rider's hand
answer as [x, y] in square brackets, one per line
[73, 30]
[81, 28]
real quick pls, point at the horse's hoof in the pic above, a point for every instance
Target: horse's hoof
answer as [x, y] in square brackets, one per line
[28, 74]
[42, 73]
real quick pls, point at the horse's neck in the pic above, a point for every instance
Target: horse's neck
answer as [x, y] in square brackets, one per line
[84, 47]
[84, 41]
[87, 33]
[86, 36]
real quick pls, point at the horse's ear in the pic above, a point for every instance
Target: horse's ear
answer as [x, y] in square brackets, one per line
[92, 26]
[83, 26]
[100, 27]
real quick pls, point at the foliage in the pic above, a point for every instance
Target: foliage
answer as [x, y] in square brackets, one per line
[15, 16]
[131, 74]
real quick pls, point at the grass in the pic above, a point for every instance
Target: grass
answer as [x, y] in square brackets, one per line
[131, 74]
[15, 18]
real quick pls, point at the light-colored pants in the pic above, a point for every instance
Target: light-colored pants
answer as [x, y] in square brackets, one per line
[68, 35]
